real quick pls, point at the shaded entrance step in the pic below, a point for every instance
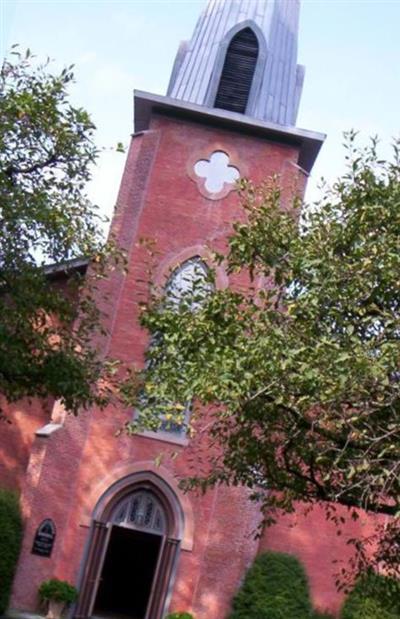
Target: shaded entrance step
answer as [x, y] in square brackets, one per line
[21, 614]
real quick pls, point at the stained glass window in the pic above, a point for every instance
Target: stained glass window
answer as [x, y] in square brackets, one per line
[141, 510]
[189, 282]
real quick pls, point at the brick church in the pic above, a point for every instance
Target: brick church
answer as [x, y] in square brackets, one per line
[98, 511]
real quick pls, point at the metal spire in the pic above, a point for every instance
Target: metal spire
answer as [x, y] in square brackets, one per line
[277, 80]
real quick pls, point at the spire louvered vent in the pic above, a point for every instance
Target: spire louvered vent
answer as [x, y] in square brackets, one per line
[238, 72]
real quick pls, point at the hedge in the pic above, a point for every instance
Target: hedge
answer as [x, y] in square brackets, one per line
[10, 542]
[275, 587]
[373, 597]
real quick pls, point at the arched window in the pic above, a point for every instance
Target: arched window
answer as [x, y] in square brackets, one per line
[238, 72]
[141, 510]
[189, 282]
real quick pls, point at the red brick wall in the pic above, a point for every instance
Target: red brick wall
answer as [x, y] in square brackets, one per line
[17, 436]
[321, 546]
[69, 470]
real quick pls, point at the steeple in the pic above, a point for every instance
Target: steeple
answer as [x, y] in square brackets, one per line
[243, 58]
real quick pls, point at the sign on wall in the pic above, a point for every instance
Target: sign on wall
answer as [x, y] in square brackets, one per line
[44, 538]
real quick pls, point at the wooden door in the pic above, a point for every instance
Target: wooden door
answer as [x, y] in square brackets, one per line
[162, 578]
[99, 538]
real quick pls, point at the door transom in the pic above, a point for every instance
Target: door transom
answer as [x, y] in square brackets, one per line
[140, 510]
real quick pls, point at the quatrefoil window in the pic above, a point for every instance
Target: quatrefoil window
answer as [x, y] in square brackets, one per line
[216, 174]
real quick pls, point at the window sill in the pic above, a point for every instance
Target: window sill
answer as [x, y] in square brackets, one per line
[48, 429]
[164, 437]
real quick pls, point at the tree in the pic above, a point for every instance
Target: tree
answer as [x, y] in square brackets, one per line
[300, 375]
[46, 157]
[10, 543]
[274, 587]
[373, 597]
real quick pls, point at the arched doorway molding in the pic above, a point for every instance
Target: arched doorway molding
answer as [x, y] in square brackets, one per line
[104, 531]
[220, 59]
[125, 478]
[143, 480]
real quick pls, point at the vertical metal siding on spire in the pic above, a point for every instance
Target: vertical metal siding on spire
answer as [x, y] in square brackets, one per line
[232, 18]
[280, 84]
[206, 56]
[291, 94]
[300, 70]
[209, 56]
[188, 68]
[283, 118]
[244, 10]
[199, 51]
[252, 14]
[291, 81]
[280, 66]
[293, 26]
[269, 27]
[272, 73]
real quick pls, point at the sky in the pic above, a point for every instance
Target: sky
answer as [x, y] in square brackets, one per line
[351, 50]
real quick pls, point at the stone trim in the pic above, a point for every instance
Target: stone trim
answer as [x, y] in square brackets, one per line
[204, 153]
[125, 477]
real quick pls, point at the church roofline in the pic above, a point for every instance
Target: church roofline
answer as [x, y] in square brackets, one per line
[310, 142]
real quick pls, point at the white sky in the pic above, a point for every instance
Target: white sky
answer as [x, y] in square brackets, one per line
[351, 49]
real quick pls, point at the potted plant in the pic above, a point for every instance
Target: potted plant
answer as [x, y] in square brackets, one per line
[57, 594]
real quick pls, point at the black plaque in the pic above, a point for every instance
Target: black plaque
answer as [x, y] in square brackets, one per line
[44, 538]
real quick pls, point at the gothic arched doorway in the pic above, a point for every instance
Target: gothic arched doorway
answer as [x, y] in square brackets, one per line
[131, 556]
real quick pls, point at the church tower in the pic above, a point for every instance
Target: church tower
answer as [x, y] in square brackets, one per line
[125, 534]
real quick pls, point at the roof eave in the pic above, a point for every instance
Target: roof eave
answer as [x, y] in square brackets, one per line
[309, 142]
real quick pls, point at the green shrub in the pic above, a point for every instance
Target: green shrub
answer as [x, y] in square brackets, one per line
[179, 616]
[10, 542]
[57, 590]
[321, 615]
[275, 587]
[373, 597]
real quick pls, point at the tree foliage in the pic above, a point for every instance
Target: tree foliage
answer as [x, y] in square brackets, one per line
[275, 587]
[10, 542]
[297, 362]
[373, 597]
[46, 157]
